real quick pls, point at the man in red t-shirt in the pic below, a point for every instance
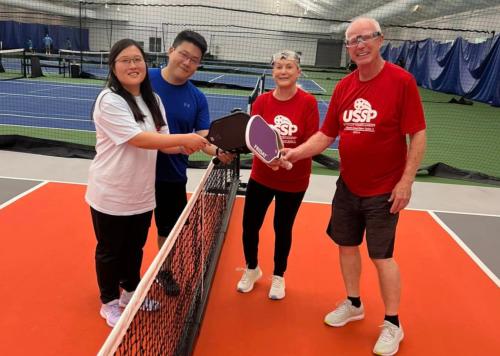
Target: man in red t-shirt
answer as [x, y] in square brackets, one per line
[372, 110]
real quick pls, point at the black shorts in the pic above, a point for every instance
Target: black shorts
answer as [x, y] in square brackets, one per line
[170, 202]
[352, 215]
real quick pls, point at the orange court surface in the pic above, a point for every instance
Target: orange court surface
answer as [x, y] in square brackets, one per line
[51, 306]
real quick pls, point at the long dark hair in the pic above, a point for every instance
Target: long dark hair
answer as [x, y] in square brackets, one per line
[146, 90]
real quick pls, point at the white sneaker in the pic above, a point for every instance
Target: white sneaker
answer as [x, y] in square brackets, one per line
[250, 276]
[277, 290]
[111, 312]
[147, 305]
[389, 339]
[344, 313]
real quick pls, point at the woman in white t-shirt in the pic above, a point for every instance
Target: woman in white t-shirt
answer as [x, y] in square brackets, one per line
[130, 128]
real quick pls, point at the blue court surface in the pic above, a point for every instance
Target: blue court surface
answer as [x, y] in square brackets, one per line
[68, 106]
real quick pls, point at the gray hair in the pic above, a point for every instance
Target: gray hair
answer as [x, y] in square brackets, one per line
[367, 19]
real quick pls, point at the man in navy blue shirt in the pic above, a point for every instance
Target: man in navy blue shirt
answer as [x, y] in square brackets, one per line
[187, 111]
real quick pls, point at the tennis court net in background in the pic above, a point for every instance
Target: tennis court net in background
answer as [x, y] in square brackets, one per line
[258, 89]
[12, 64]
[190, 255]
[95, 64]
[98, 58]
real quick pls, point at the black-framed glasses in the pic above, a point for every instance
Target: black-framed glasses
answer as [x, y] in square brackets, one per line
[130, 60]
[187, 57]
[290, 55]
[356, 40]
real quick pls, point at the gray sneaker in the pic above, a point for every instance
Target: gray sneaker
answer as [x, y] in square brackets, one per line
[250, 276]
[344, 313]
[389, 339]
[147, 305]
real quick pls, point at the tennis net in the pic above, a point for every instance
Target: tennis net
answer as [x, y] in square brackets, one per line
[258, 89]
[99, 58]
[189, 255]
[92, 64]
[12, 64]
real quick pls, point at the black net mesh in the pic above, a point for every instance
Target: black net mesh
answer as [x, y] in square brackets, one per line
[179, 282]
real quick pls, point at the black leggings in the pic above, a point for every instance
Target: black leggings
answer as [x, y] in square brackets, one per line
[118, 254]
[257, 201]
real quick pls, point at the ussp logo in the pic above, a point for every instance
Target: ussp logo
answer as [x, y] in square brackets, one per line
[362, 112]
[284, 126]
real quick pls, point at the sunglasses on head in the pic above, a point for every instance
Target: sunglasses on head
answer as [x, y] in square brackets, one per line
[290, 55]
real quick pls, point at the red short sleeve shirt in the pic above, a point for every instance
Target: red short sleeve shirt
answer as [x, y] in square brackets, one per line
[296, 120]
[372, 120]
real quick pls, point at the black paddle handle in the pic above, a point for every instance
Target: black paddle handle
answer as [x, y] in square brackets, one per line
[216, 159]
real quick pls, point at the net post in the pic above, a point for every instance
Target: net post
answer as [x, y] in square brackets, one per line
[23, 64]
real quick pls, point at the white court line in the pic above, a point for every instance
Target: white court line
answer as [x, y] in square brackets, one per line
[45, 117]
[48, 128]
[17, 197]
[34, 91]
[48, 96]
[226, 96]
[44, 180]
[462, 213]
[19, 112]
[220, 76]
[466, 249]
[55, 84]
[318, 85]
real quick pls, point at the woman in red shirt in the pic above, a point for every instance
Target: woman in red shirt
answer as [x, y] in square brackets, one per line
[294, 114]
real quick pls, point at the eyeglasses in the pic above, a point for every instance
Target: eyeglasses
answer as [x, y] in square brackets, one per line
[186, 57]
[290, 55]
[354, 41]
[129, 61]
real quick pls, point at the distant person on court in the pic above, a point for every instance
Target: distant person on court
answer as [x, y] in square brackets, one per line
[187, 111]
[29, 45]
[294, 114]
[68, 43]
[130, 128]
[47, 43]
[372, 110]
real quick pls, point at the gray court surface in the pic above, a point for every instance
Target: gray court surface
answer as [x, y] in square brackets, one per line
[480, 233]
[10, 188]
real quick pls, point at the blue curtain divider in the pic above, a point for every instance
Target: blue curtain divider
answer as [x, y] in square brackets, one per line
[16, 35]
[467, 69]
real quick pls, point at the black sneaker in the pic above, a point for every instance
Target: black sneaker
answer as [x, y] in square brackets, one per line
[166, 280]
